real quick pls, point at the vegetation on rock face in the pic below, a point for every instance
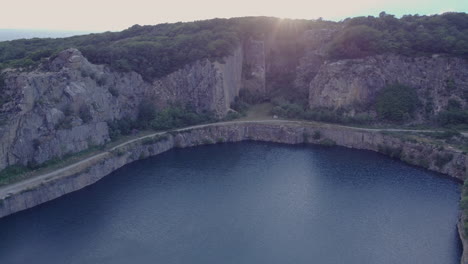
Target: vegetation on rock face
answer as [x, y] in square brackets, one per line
[453, 115]
[287, 109]
[174, 116]
[396, 103]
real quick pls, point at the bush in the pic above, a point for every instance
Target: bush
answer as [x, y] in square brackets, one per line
[317, 135]
[393, 152]
[10, 172]
[231, 115]
[443, 159]
[396, 103]
[120, 127]
[327, 142]
[85, 113]
[114, 91]
[453, 115]
[178, 116]
[146, 113]
[464, 203]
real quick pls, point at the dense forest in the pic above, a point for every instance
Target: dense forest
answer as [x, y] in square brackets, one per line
[410, 35]
[154, 51]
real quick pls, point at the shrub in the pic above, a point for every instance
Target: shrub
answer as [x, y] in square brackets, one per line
[396, 103]
[120, 127]
[453, 115]
[207, 141]
[231, 115]
[327, 142]
[393, 152]
[317, 135]
[10, 172]
[65, 123]
[114, 91]
[146, 113]
[442, 159]
[68, 110]
[178, 116]
[464, 203]
[85, 113]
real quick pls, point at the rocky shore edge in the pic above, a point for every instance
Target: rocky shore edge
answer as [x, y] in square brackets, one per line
[30, 193]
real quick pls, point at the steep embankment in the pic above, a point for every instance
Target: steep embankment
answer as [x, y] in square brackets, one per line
[356, 82]
[41, 189]
[65, 106]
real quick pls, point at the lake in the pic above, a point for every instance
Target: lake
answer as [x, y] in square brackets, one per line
[246, 203]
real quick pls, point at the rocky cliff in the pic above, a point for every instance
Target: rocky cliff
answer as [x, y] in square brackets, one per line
[353, 82]
[63, 107]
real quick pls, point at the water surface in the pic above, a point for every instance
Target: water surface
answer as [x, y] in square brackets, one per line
[246, 203]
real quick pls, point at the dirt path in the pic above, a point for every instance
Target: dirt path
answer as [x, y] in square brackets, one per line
[5, 190]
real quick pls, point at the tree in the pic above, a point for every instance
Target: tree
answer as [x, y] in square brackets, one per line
[396, 102]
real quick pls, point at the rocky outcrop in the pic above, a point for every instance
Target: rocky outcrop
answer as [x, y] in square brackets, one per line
[205, 85]
[17, 198]
[347, 83]
[64, 106]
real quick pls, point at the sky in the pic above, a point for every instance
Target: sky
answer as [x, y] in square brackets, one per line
[114, 15]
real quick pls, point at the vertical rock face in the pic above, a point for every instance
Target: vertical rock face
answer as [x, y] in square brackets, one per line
[63, 107]
[346, 83]
[207, 86]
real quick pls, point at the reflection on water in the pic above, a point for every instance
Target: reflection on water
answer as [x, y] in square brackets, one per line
[246, 203]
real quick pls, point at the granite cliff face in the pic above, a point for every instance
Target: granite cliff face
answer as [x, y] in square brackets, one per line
[348, 83]
[64, 106]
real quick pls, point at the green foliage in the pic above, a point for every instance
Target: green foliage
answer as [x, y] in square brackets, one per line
[410, 35]
[65, 123]
[119, 152]
[152, 51]
[443, 159]
[155, 51]
[121, 127]
[356, 41]
[290, 110]
[207, 141]
[10, 172]
[393, 152]
[453, 115]
[448, 134]
[114, 91]
[396, 103]
[231, 115]
[85, 113]
[327, 142]
[146, 113]
[154, 139]
[317, 135]
[178, 116]
[174, 116]
[464, 203]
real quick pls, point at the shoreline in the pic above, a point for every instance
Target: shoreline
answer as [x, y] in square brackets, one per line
[43, 188]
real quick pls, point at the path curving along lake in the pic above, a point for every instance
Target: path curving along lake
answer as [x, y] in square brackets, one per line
[246, 203]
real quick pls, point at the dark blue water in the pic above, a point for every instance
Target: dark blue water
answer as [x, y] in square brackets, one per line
[246, 203]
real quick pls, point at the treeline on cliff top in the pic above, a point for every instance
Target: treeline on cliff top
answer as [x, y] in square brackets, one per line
[155, 51]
